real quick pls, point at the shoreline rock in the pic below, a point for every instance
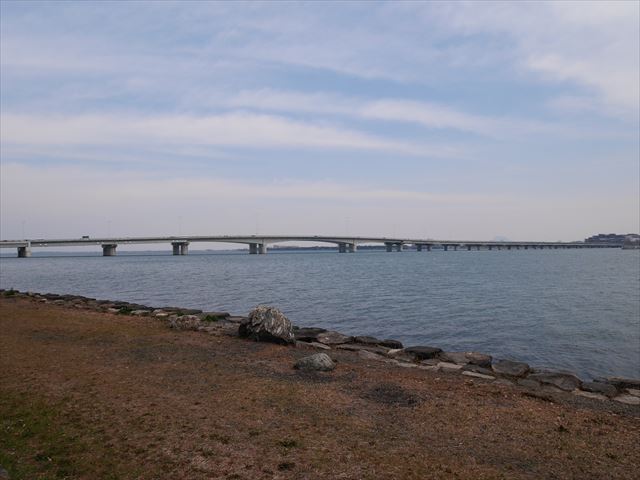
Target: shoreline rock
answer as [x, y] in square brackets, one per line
[269, 324]
[320, 362]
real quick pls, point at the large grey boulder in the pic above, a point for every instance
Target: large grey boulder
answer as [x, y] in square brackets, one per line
[267, 324]
[510, 368]
[320, 362]
[564, 381]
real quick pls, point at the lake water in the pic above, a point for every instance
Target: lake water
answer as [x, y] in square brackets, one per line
[572, 309]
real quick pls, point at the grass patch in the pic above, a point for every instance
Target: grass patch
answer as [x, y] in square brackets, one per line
[38, 441]
[212, 318]
[125, 310]
[288, 443]
[10, 293]
[284, 466]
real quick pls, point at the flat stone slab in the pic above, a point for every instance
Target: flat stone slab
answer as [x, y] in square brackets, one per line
[354, 347]
[405, 364]
[423, 352]
[600, 388]
[448, 366]
[621, 382]
[526, 383]
[321, 346]
[366, 340]
[367, 355]
[308, 334]
[563, 381]
[480, 359]
[389, 343]
[510, 368]
[432, 362]
[477, 368]
[454, 357]
[634, 392]
[478, 375]
[627, 399]
[591, 395]
[333, 338]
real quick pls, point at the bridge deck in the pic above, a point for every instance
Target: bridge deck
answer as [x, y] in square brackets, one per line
[271, 239]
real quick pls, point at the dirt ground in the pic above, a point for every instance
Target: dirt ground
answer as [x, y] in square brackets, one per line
[92, 395]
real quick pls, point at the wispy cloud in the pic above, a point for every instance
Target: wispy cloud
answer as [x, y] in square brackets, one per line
[233, 129]
[430, 115]
[593, 44]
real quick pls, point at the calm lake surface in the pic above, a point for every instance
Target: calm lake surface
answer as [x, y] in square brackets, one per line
[571, 309]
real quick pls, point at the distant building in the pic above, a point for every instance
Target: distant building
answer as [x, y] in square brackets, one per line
[613, 238]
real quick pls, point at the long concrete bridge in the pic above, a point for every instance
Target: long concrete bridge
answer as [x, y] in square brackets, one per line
[258, 244]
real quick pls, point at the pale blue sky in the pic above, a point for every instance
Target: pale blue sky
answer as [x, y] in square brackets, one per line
[444, 119]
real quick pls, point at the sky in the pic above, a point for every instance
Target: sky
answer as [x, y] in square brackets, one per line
[446, 120]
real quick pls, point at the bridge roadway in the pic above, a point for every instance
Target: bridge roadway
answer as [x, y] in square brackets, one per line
[258, 244]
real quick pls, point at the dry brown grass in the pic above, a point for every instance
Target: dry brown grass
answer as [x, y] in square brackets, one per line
[111, 396]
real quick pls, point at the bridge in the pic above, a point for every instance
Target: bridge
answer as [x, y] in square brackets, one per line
[258, 244]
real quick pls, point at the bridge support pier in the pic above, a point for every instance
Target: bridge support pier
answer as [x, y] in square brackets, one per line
[446, 247]
[455, 248]
[490, 247]
[389, 247]
[342, 248]
[262, 248]
[180, 248]
[418, 247]
[468, 248]
[352, 247]
[24, 252]
[109, 249]
[253, 248]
